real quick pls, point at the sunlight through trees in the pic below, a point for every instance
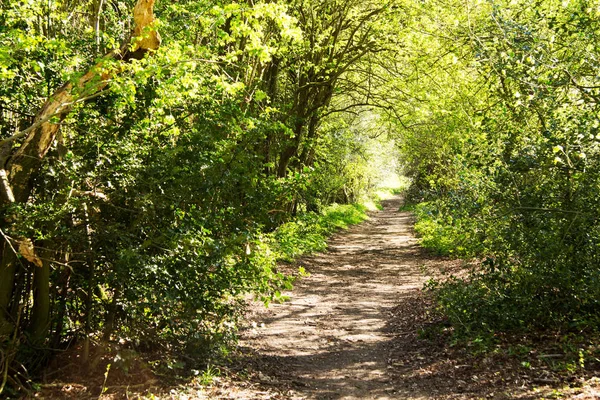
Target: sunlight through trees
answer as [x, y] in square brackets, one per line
[157, 160]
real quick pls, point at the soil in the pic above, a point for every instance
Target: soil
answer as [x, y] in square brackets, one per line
[333, 339]
[361, 327]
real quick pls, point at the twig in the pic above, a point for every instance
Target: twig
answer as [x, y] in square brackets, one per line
[549, 210]
[7, 359]
[551, 355]
[104, 388]
[8, 239]
[545, 380]
[4, 374]
[55, 372]
[140, 385]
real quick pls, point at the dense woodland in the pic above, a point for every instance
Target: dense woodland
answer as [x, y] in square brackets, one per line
[158, 160]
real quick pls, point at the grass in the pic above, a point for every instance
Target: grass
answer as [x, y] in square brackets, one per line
[392, 186]
[310, 231]
[306, 234]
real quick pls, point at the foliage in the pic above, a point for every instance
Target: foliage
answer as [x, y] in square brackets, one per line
[170, 181]
[309, 232]
[514, 173]
[447, 233]
[178, 177]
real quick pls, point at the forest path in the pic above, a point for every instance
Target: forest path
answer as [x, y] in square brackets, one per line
[351, 331]
[333, 339]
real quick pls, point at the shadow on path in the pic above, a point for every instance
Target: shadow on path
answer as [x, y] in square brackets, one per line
[350, 330]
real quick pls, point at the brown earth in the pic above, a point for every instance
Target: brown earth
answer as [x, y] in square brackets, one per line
[333, 340]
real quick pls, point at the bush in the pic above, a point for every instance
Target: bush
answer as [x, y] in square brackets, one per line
[309, 232]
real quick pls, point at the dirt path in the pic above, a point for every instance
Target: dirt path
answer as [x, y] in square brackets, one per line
[333, 340]
[361, 328]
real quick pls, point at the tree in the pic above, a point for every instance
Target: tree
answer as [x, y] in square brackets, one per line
[337, 36]
[22, 164]
[515, 170]
[156, 181]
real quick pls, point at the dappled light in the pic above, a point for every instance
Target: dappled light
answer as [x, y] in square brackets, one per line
[410, 188]
[330, 336]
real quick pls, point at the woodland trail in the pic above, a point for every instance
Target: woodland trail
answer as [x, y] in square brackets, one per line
[350, 330]
[333, 339]
[359, 327]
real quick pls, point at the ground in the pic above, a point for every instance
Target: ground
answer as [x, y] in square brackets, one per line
[361, 327]
[357, 328]
[333, 339]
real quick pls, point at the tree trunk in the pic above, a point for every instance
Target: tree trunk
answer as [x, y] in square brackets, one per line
[40, 316]
[111, 315]
[7, 280]
[290, 150]
[89, 300]
[62, 305]
[271, 78]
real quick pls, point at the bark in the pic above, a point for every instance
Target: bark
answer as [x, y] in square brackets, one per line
[310, 102]
[111, 315]
[310, 136]
[18, 170]
[89, 300]
[271, 76]
[291, 150]
[40, 316]
[98, 4]
[7, 280]
[62, 305]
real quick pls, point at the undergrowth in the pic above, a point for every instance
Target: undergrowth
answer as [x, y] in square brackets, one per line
[444, 233]
[511, 296]
[306, 233]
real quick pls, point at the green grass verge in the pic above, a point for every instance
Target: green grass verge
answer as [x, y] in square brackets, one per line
[309, 232]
